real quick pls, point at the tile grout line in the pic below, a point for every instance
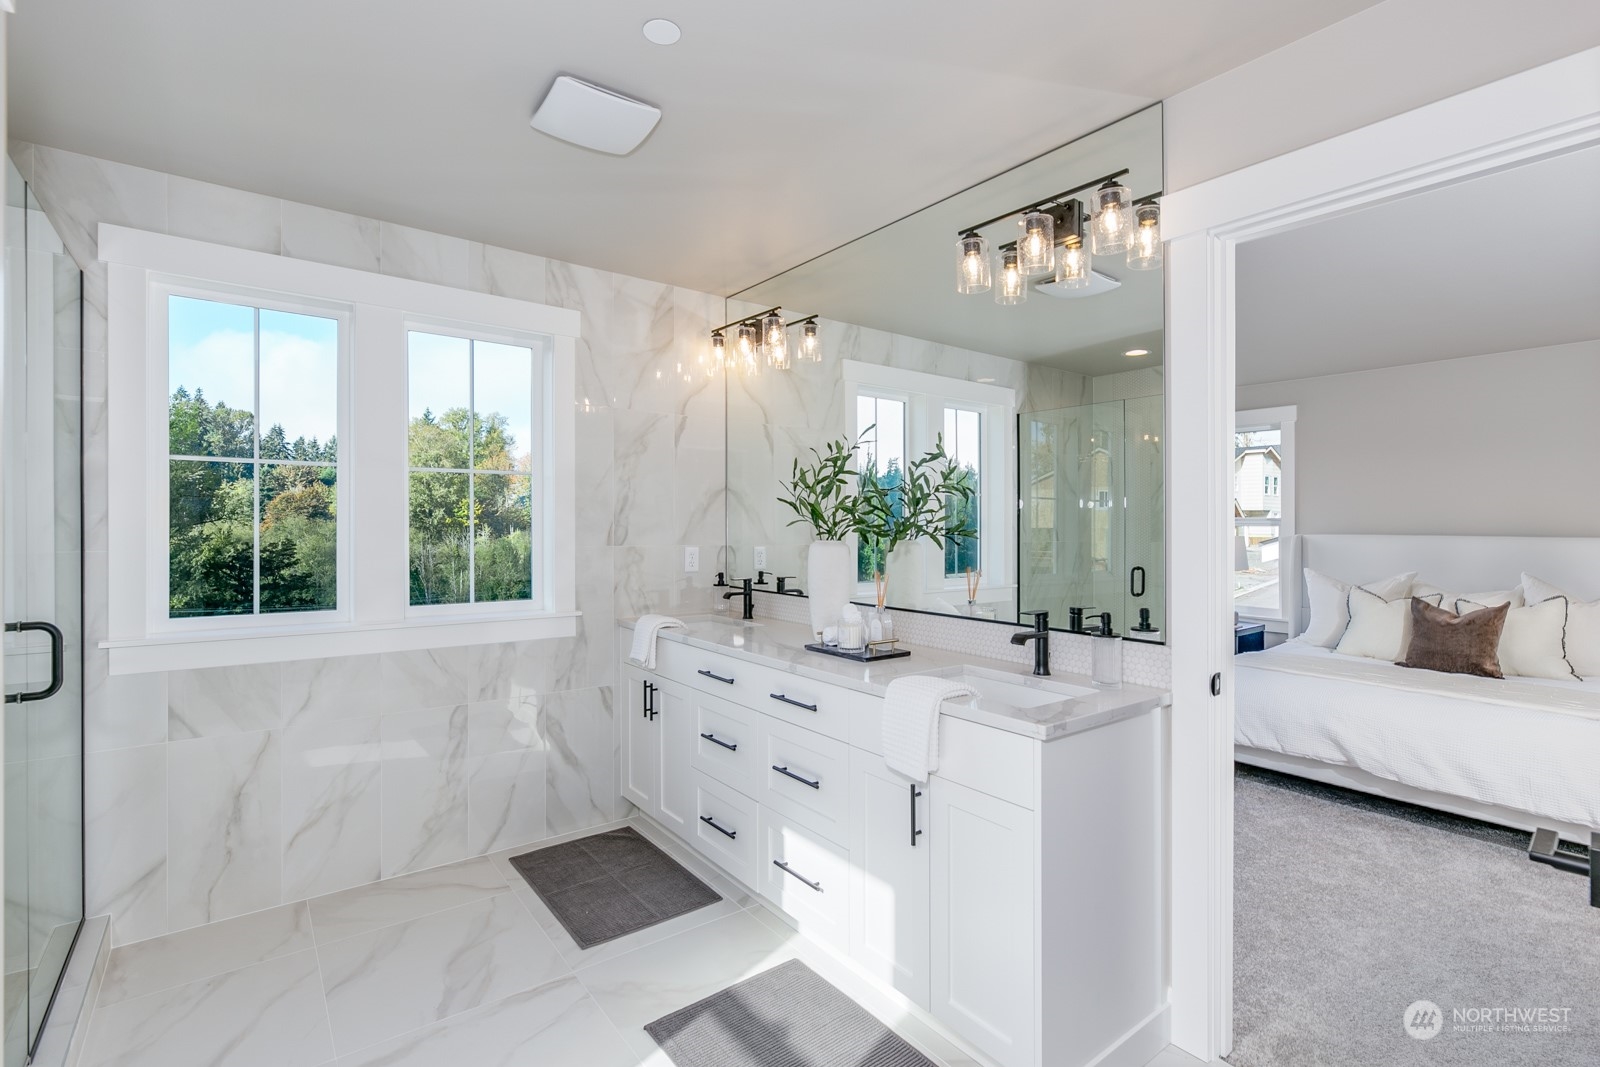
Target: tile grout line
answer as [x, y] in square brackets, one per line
[322, 984]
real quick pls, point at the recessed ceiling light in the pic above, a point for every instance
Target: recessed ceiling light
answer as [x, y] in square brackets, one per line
[985, 380]
[662, 31]
[1137, 352]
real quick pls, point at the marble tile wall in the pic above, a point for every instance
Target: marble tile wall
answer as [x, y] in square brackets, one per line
[210, 794]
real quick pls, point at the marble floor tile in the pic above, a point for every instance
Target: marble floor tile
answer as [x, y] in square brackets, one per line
[385, 983]
[366, 908]
[146, 967]
[557, 1024]
[734, 899]
[650, 982]
[267, 1015]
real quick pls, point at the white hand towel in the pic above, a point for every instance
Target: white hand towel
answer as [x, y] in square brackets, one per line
[644, 638]
[911, 723]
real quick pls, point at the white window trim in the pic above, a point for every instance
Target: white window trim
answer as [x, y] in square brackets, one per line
[375, 613]
[924, 393]
[1283, 420]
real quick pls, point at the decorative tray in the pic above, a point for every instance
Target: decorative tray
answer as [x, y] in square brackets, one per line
[870, 654]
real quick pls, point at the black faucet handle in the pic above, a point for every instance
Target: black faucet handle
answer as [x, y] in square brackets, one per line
[1041, 618]
[783, 583]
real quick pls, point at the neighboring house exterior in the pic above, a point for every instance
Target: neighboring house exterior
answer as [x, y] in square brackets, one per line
[1258, 482]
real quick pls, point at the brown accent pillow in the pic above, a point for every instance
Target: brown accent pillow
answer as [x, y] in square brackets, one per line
[1456, 644]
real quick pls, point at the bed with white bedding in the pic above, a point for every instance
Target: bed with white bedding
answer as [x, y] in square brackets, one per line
[1521, 752]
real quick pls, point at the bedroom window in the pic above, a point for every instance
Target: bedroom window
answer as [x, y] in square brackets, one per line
[1263, 515]
[263, 507]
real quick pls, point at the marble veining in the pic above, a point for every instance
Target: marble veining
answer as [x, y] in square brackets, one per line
[223, 828]
[424, 788]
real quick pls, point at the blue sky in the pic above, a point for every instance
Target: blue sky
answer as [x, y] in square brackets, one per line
[211, 347]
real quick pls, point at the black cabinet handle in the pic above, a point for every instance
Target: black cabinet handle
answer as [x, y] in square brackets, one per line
[715, 740]
[803, 781]
[654, 690]
[717, 677]
[915, 833]
[791, 872]
[57, 661]
[1137, 572]
[790, 700]
[644, 709]
[718, 827]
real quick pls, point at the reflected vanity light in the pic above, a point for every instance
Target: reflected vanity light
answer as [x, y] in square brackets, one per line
[1144, 245]
[810, 342]
[972, 264]
[1137, 352]
[1111, 219]
[1011, 286]
[775, 340]
[762, 341]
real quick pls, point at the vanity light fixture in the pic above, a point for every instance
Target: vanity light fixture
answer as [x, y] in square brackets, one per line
[717, 357]
[1144, 244]
[1111, 218]
[1011, 285]
[1036, 248]
[972, 263]
[775, 339]
[810, 342]
[747, 342]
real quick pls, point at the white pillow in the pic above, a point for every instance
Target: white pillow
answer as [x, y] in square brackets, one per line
[1532, 645]
[1583, 625]
[1447, 599]
[1379, 628]
[1330, 604]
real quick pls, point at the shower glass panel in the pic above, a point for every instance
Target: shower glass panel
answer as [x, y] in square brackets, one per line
[43, 568]
[1090, 481]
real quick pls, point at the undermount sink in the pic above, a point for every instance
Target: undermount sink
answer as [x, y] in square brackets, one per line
[1015, 690]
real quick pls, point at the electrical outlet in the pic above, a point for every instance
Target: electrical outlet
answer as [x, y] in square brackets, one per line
[761, 557]
[691, 559]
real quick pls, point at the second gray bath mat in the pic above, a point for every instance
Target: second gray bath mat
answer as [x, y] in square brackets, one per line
[610, 884]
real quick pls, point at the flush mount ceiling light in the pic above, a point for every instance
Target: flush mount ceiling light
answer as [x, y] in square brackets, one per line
[1056, 235]
[1137, 352]
[591, 116]
[662, 31]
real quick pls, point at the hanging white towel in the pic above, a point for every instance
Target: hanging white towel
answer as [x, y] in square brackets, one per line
[911, 723]
[644, 638]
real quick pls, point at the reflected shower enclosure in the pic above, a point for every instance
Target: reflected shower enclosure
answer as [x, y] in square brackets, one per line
[1091, 481]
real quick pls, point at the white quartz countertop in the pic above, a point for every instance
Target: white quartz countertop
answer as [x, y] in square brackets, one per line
[781, 645]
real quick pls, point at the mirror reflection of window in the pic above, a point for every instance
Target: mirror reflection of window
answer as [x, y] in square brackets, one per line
[963, 440]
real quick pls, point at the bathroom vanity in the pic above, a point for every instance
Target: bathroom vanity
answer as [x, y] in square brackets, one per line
[1017, 897]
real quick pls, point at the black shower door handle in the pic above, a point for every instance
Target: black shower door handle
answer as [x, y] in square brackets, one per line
[1133, 589]
[58, 670]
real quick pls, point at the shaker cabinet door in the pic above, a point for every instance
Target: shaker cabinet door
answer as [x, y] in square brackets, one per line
[641, 740]
[982, 929]
[889, 861]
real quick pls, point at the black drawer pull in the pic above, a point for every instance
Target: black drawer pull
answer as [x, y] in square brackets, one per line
[723, 830]
[731, 746]
[786, 772]
[717, 677]
[791, 700]
[791, 872]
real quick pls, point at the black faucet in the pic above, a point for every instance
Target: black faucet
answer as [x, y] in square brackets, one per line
[1075, 617]
[1040, 636]
[783, 586]
[749, 595]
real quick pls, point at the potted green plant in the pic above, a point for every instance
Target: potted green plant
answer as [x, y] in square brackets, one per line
[822, 494]
[926, 501]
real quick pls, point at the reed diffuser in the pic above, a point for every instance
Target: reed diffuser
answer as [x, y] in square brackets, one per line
[973, 578]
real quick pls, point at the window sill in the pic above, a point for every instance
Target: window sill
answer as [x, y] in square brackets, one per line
[221, 649]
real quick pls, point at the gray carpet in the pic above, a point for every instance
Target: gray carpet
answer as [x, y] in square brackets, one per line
[788, 1016]
[1348, 909]
[610, 884]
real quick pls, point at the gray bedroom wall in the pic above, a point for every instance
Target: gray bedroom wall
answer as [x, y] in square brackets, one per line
[1391, 58]
[1498, 444]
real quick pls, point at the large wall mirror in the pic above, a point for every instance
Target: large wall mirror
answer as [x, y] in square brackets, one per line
[1045, 387]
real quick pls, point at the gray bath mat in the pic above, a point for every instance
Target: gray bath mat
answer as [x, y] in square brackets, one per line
[610, 884]
[786, 1017]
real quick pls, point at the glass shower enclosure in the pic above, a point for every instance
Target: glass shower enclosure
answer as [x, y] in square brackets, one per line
[42, 558]
[1091, 533]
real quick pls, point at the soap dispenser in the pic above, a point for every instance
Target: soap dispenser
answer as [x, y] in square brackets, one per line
[1105, 655]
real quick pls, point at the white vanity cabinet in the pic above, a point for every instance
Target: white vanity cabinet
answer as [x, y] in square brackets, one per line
[1016, 897]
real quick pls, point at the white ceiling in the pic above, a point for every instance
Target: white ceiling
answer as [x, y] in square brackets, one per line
[1497, 264]
[788, 129]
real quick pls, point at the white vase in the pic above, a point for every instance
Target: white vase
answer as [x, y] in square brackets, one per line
[830, 579]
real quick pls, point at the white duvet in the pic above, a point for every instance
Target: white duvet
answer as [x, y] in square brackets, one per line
[1528, 744]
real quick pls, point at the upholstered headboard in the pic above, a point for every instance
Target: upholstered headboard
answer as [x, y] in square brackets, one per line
[1462, 564]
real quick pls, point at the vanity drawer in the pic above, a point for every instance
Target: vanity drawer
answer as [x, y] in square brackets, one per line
[984, 758]
[805, 777]
[726, 827]
[818, 706]
[709, 672]
[807, 876]
[727, 743]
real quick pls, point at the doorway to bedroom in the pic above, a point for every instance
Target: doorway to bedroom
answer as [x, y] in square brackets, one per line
[1415, 552]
